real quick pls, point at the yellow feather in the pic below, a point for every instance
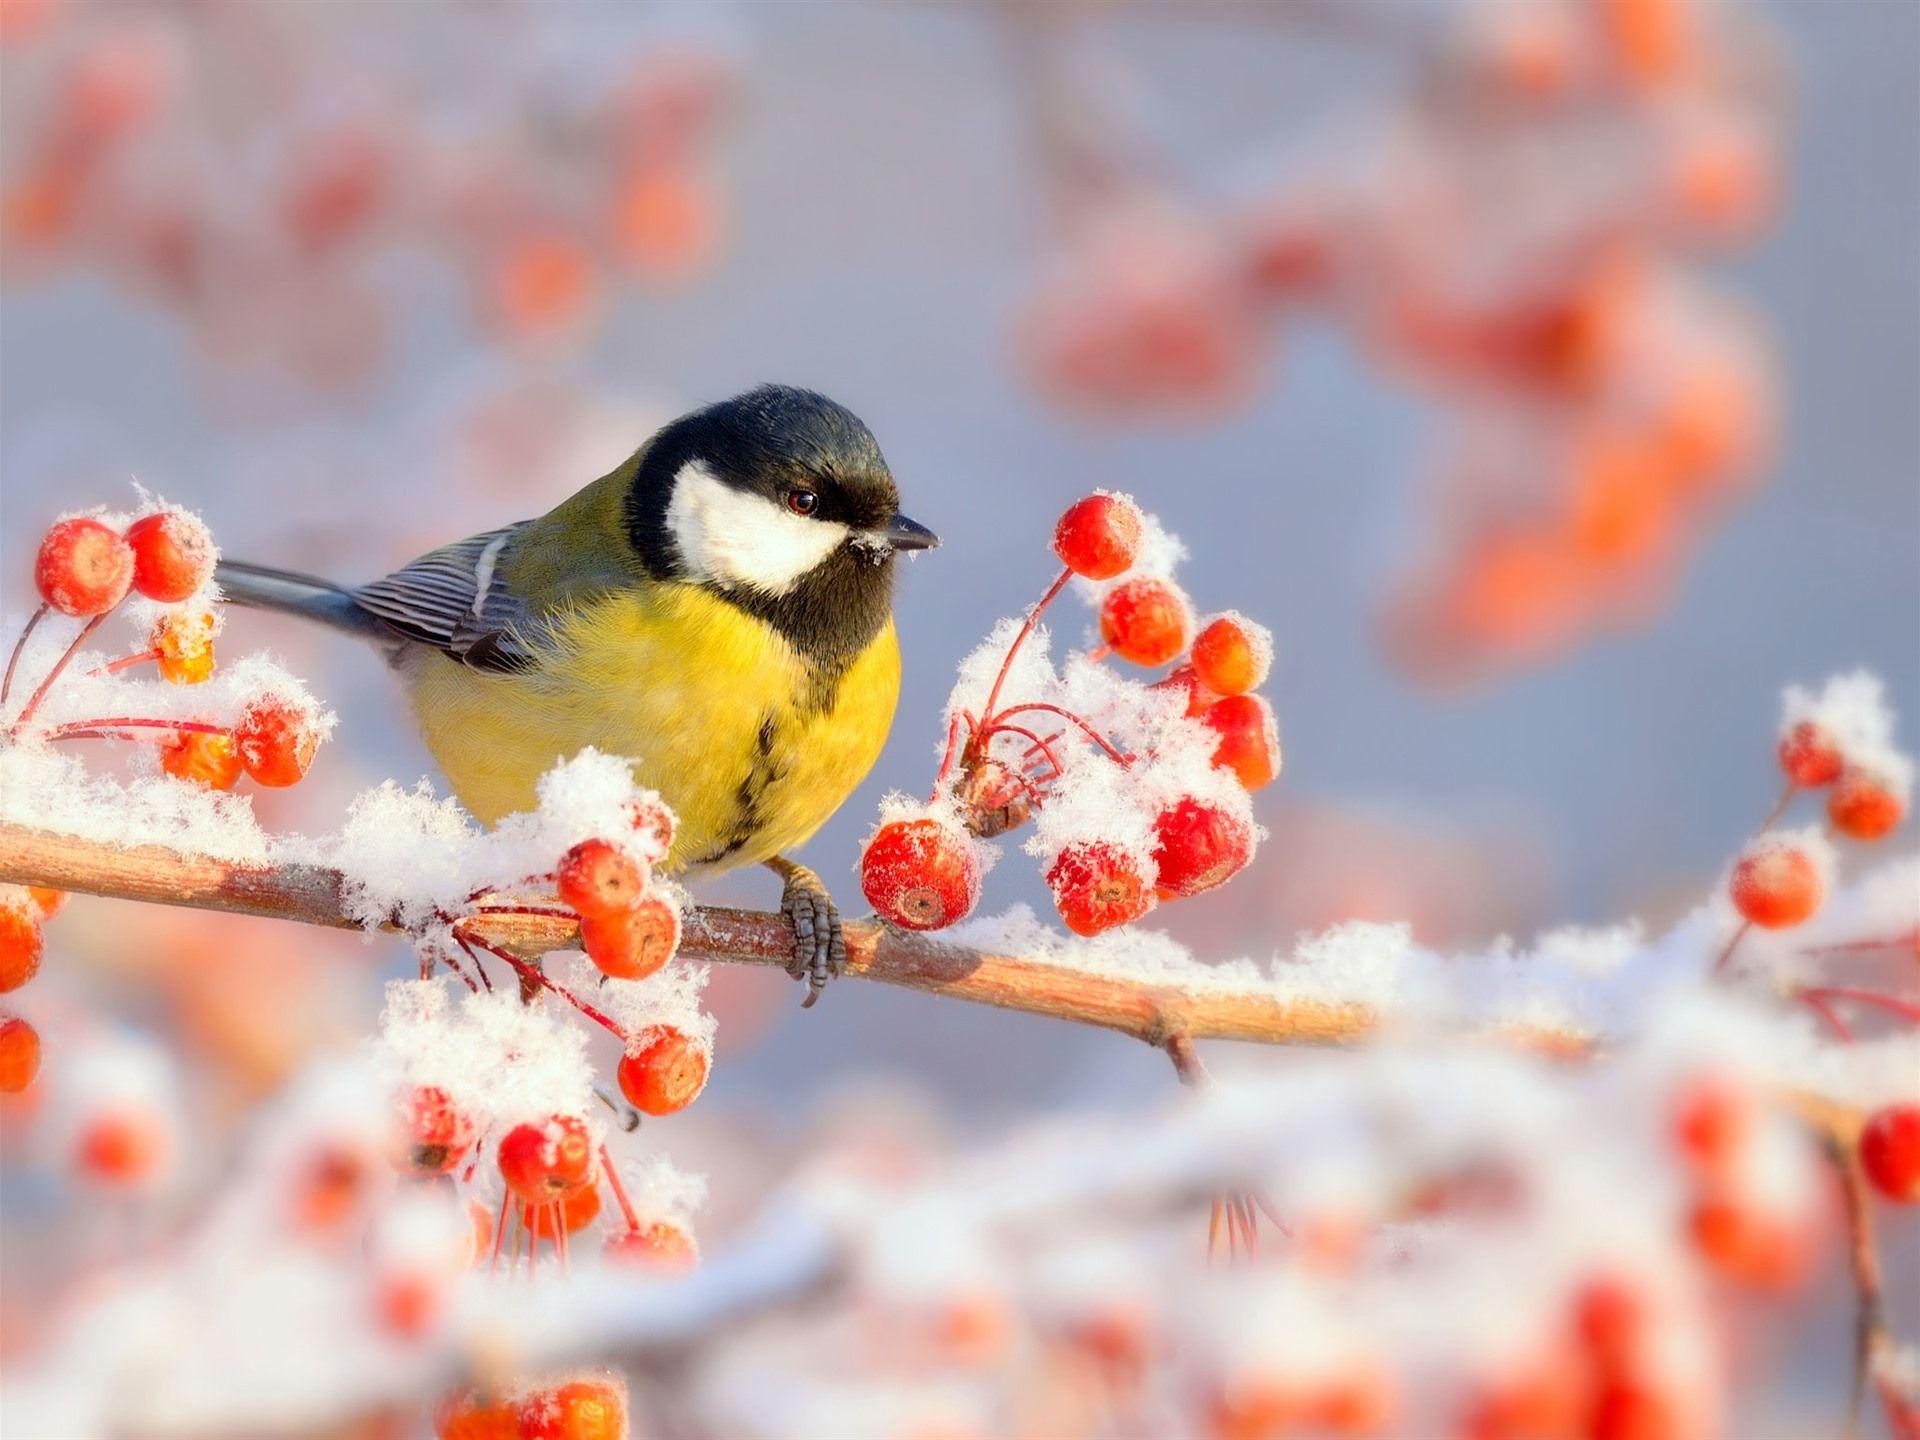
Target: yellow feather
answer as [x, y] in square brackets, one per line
[718, 712]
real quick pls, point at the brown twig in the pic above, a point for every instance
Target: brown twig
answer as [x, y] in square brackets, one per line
[1870, 1333]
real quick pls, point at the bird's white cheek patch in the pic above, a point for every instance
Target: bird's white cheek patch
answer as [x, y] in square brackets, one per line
[730, 538]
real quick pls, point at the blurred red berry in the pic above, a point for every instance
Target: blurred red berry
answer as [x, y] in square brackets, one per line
[1099, 537]
[1146, 621]
[662, 1070]
[546, 1161]
[173, 555]
[654, 1245]
[578, 1410]
[120, 1149]
[209, 760]
[21, 942]
[465, 1415]
[598, 879]
[920, 874]
[543, 285]
[1776, 886]
[435, 1133]
[1863, 807]
[1249, 739]
[49, 902]
[1198, 846]
[1097, 886]
[1809, 757]
[276, 740]
[1712, 1121]
[19, 1055]
[1890, 1152]
[1746, 1243]
[1231, 655]
[83, 568]
[632, 944]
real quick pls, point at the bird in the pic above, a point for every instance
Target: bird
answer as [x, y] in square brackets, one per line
[719, 607]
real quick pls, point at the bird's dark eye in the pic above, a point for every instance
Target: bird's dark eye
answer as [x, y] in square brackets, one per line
[802, 502]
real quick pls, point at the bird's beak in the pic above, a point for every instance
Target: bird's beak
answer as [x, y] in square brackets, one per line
[900, 533]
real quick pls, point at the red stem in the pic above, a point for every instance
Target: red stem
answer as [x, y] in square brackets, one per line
[1779, 806]
[1865, 947]
[535, 976]
[1820, 1007]
[79, 729]
[557, 912]
[13, 660]
[619, 1190]
[1091, 733]
[1906, 1009]
[26, 712]
[953, 750]
[1033, 618]
[1039, 744]
[1732, 945]
[125, 662]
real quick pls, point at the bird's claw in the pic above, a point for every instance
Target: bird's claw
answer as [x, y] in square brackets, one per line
[819, 942]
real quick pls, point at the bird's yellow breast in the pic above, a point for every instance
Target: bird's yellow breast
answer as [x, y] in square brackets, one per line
[750, 743]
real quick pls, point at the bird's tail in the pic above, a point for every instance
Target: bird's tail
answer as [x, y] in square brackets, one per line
[303, 595]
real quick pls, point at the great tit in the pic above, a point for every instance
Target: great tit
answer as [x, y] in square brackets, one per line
[719, 607]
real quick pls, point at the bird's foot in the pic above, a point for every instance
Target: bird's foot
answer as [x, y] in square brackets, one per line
[819, 943]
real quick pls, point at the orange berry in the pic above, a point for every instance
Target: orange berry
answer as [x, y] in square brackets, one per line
[1199, 845]
[1185, 681]
[1099, 537]
[632, 944]
[83, 568]
[547, 1161]
[1776, 885]
[1809, 757]
[1747, 1244]
[48, 902]
[578, 1410]
[1249, 739]
[1146, 621]
[19, 1055]
[654, 1245]
[599, 879]
[543, 285]
[173, 554]
[1231, 655]
[276, 740]
[577, 1211]
[920, 874]
[1712, 1120]
[209, 760]
[183, 646]
[1863, 807]
[1097, 886]
[121, 1149]
[21, 941]
[464, 1415]
[662, 1070]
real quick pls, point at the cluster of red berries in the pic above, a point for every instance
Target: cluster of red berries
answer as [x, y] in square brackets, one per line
[84, 569]
[588, 1408]
[1737, 1225]
[920, 870]
[627, 927]
[305, 197]
[23, 911]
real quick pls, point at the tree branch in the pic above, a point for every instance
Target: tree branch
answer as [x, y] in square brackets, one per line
[314, 895]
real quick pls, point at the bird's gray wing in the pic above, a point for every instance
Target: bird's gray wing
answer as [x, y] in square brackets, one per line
[451, 599]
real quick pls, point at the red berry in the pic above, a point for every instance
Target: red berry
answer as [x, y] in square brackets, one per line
[1199, 845]
[1712, 1121]
[276, 740]
[1249, 743]
[1097, 886]
[1890, 1152]
[121, 1149]
[209, 760]
[464, 1415]
[1184, 680]
[654, 1245]
[632, 944]
[578, 1410]
[84, 568]
[1863, 807]
[1610, 1316]
[435, 1133]
[577, 1211]
[1146, 621]
[1099, 536]
[920, 874]
[1747, 1244]
[599, 879]
[19, 1055]
[1231, 655]
[663, 1070]
[20, 942]
[1809, 756]
[548, 1161]
[408, 1303]
[1776, 885]
[172, 555]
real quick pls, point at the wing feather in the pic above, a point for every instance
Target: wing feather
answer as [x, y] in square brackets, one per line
[448, 599]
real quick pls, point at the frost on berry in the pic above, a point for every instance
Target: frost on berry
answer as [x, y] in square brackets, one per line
[1147, 621]
[1199, 845]
[1865, 805]
[1890, 1152]
[1099, 537]
[920, 873]
[276, 738]
[1232, 654]
[663, 1070]
[1780, 879]
[1809, 755]
[84, 567]
[1097, 886]
[173, 555]
[599, 879]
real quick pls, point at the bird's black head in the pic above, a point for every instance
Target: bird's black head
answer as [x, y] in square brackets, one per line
[780, 501]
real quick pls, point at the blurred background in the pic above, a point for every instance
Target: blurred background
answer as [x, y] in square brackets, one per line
[1552, 427]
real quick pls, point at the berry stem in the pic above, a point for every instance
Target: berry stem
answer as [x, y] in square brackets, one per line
[1817, 1003]
[1733, 944]
[96, 729]
[556, 912]
[532, 975]
[1086, 729]
[66, 657]
[13, 660]
[1779, 807]
[952, 752]
[1866, 947]
[500, 1230]
[619, 1190]
[1026, 734]
[1905, 1009]
[125, 662]
[1033, 618]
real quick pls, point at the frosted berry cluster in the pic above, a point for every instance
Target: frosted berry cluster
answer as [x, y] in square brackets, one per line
[1138, 789]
